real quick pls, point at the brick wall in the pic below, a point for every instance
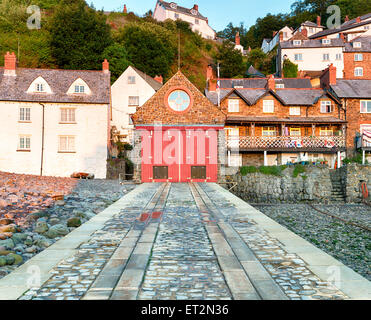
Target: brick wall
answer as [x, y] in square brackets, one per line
[350, 65]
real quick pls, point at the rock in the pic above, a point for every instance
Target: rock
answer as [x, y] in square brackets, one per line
[19, 237]
[87, 214]
[54, 221]
[17, 258]
[5, 221]
[2, 262]
[9, 259]
[28, 241]
[5, 235]
[57, 231]
[32, 249]
[5, 252]
[60, 203]
[8, 228]
[43, 242]
[8, 243]
[41, 226]
[73, 222]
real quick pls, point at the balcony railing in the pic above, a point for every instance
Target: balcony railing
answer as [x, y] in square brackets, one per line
[286, 142]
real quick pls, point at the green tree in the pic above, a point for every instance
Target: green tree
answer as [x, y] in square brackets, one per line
[290, 69]
[79, 35]
[231, 60]
[151, 47]
[230, 32]
[118, 59]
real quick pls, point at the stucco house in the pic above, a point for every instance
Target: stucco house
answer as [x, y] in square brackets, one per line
[171, 10]
[130, 91]
[283, 35]
[53, 122]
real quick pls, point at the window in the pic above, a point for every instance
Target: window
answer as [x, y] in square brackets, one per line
[358, 57]
[326, 41]
[366, 106]
[233, 105]
[285, 35]
[325, 132]
[66, 144]
[197, 21]
[131, 80]
[268, 106]
[24, 143]
[298, 57]
[326, 57]
[79, 89]
[176, 15]
[40, 87]
[357, 44]
[269, 131]
[366, 27]
[280, 86]
[24, 114]
[326, 107]
[358, 72]
[133, 101]
[295, 132]
[311, 30]
[297, 42]
[68, 115]
[294, 111]
[338, 56]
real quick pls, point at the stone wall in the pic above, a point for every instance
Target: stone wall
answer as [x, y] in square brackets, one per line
[115, 167]
[352, 176]
[135, 156]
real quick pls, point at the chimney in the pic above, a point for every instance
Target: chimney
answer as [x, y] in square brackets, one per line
[304, 32]
[10, 64]
[212, 85]
[346, 18]
[358, 20]
[195, 7]
[209, 73]
[238, 39]
[159, 79]
[332, 75]
[125, 9]
[271, 83]
[328, 77]
[105, 65]
[319, 21]
[342, 36]
[281, 36]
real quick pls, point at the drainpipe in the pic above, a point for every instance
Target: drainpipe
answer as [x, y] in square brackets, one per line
[42, 139]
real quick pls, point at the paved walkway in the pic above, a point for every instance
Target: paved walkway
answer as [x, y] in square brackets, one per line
[186, 242]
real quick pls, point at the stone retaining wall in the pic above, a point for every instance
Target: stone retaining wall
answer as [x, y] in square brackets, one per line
[115, 167]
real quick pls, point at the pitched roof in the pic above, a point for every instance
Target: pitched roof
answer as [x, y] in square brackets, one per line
[14, 88]
[317, 43]
[288, 119]
[311, 24]
[152, 82]
[352, 89]
[167, 6]
[300, 97]
[366, 45]
[353, 21]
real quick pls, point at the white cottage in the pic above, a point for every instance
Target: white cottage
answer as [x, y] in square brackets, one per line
[170, 10]
[53, 122]
[130, 91]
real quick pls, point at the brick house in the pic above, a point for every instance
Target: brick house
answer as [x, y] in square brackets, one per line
[355, 96]
[53, 122]
[179, 135]
[357, 58]
[274, 121]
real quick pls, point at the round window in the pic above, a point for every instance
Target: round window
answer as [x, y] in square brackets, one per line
[179, 100]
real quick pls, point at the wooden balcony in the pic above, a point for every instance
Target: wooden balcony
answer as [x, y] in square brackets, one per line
[287, 143]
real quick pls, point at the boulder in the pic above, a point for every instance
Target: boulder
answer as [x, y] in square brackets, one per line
[17, 258]
[56, 231]
[31, 249]
[2, 262]
[5, 252]
[41, 226]
[8, 243]
[53, 221]
[60, 203]
[5, 221]
[19, 237]
[8, 228]
[43, 242]
[73, 222]
[5, 235]
[9, 259]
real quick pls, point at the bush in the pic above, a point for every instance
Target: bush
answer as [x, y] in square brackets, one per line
[299, 168]
[128, 146]
[356, 159]
[271, 170]
[249, 169]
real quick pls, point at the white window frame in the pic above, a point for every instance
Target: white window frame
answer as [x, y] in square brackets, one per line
[24, 142]
[280, 85]
[39, 87]
[298, 57]
[297, 42]
[293, 132]
[233, 105]
[131, 80]
[268, 131]
[326, 41]
[70, 144]
[339, 56]
[357, 45]
[325, 104]
[25, 114]
[358, 57]
[68, 115]
[358, 72]
[79, 88]
[365, 106]
[133, 101]
[268, 106]
[295, 111]
[326, 57]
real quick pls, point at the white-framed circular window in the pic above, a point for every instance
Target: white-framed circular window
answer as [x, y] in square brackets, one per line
[179, 100]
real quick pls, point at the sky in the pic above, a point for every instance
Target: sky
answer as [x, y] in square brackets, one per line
[219, 12]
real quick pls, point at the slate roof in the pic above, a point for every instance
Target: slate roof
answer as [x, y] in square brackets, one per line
[353, 21]
[15, 88]
[183, 10]
[311, 24]
[237, 119]
[352, 89]
[299, 97]
[366, 45]
[317, 43]
[152, 82]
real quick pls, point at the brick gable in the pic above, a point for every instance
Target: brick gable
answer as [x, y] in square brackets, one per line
[201, 111]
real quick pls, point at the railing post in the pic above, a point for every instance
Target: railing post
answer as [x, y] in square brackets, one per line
[265, 158]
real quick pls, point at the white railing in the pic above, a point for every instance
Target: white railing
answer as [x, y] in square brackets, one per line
[286, 142]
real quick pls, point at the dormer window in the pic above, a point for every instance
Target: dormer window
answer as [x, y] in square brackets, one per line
[297, 42]
[39, 87]
[173, 5]
[280, 86]
[326, 41]
[194, 12]
[79, 86]
[79, 89]
[357, 44]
